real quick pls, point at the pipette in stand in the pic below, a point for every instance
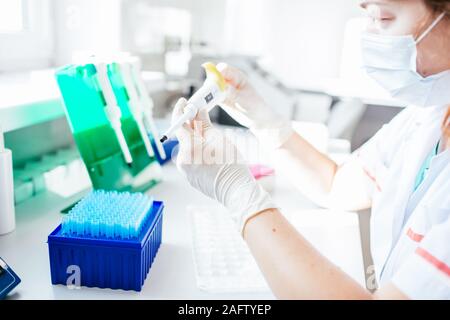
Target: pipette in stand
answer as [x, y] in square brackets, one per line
[146, 104]
[112, 110]
[135, 105]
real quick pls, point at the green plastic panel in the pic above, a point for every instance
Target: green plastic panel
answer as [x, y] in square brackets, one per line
[84, 105]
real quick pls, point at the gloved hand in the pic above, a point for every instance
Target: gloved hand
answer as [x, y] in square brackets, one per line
[213, 165]
[249, 109]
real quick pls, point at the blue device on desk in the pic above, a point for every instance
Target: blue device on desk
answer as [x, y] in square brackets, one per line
[8, 279]
[168, 146]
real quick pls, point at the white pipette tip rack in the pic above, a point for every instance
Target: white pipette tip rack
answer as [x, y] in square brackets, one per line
[7, 213]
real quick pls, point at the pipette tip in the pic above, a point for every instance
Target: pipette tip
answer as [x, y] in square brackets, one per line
[163, 139]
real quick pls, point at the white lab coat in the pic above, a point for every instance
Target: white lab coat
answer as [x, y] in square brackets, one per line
[410, 230]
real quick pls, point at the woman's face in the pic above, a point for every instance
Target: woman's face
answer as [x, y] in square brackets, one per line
[397, 17]
[412, 17]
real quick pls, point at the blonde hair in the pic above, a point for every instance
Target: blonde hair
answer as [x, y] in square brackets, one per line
[446, 124]
[439, 6]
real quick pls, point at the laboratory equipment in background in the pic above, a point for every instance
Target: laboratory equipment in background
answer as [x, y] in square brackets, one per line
[7, 213]
[111, 237]
[135, 105]
[264, 175]
[211, 93]
[108, 137]
[8, 279]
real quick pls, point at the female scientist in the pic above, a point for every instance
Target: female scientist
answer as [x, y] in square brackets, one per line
[402, 173]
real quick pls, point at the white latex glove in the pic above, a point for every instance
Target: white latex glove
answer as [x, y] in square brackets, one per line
[249, 109]
[213, 165]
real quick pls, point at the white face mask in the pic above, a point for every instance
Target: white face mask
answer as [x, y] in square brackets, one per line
[392, 62]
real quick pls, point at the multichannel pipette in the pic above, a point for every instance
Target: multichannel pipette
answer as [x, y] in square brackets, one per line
[146, 104]
[211, 93]
[112, 110]
[135, 105]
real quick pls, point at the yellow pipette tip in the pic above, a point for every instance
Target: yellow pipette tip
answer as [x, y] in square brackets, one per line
[212, 72]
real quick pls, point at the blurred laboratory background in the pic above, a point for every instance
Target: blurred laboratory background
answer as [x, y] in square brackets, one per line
[302, 56]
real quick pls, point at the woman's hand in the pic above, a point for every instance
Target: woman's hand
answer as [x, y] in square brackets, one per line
[213, 165]
[249, 109]
[243, 103]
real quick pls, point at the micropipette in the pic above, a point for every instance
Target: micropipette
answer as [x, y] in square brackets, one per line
[147, 104]
[135, 106]
[112, 110]
[211, 93]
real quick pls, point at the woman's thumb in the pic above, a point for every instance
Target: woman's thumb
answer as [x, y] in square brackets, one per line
[233, 76]
[178, 110]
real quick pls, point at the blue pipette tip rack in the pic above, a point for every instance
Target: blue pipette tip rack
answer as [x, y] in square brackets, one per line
[110, 238]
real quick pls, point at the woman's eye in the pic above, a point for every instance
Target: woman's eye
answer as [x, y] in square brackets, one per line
[381, 18]
[376, 13]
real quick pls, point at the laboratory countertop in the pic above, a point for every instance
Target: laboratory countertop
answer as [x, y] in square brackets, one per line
[172, 275]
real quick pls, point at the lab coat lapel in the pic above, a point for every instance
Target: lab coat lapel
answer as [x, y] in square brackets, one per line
[416, 151]
[417, 195]
[416, 148]
[401, 187]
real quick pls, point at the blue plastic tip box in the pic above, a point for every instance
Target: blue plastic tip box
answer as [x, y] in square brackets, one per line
[106, 263]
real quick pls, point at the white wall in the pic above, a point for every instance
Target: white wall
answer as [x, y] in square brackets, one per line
[85, 25]
[244, 25]
[206, 21]
[32, 47]
[300, 39]
[304, 38]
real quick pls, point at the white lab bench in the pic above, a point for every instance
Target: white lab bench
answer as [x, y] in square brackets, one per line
[172, 275]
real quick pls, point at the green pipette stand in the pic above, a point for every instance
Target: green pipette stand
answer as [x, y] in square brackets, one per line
[95, 138]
